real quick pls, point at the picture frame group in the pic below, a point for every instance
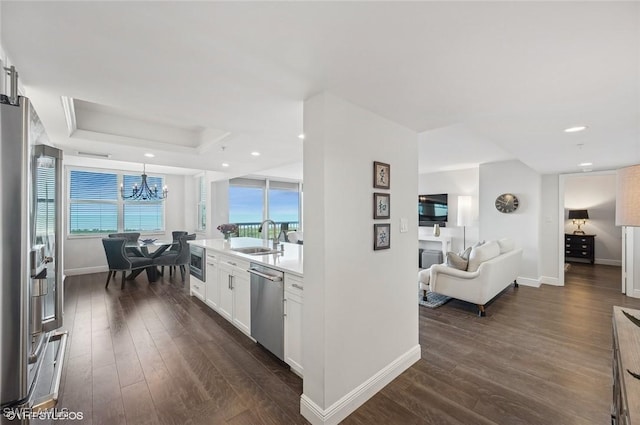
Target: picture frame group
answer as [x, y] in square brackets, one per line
[381, 205]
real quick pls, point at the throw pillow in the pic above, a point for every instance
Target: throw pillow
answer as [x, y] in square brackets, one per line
[456, 261]
[481, 254]
[465, 254]
[506, 245]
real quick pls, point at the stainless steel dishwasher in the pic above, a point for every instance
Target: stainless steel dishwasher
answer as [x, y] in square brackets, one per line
[267, 308]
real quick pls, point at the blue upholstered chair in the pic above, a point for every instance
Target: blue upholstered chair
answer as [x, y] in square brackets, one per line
[114, 249]
[131, 237]
[180, 258]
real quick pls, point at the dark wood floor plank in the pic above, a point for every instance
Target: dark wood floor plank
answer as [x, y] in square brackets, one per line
[138, 405]
[77, 393]
[101, 349]
[129, 368]
[108, 408]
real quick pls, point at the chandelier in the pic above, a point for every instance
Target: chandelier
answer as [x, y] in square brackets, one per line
[142, 191]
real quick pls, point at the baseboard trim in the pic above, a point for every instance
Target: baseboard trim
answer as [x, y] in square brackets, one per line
[86, 270]
[554, 281]
[356, 398]
[607, 262]
[526, 281]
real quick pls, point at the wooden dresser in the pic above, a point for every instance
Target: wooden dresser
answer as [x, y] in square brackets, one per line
[579, 246]
[626, 357]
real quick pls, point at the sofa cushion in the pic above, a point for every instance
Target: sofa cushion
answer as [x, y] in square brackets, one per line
[506, 245]
[457, 261]
[481, 254]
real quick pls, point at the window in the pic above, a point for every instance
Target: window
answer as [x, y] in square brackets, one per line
[202, 204]
[246, 201]
[250, 202]
[145, 216]
[284, 204]
[95, 206]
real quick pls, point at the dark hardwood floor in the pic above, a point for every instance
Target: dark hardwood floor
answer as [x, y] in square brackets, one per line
[541, 356]
[153, 354]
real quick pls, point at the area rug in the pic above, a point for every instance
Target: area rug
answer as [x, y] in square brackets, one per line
[434, 300]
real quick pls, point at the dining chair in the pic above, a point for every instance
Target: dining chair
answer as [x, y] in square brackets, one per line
[180, 258]
[131, 237]
[118, 260]
[175, 236]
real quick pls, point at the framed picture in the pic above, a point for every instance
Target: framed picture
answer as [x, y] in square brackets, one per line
[381, 175]
[381, 205]
[381, 236]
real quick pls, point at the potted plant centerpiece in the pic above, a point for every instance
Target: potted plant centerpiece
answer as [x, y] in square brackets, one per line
[227, 229]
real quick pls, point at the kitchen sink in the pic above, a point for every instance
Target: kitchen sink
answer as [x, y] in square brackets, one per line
[255, 250]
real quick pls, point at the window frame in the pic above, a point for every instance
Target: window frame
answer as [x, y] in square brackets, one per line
[201, 204]
[266, 184]
[119, 202]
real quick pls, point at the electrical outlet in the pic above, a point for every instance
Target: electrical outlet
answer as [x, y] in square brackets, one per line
[404, 225]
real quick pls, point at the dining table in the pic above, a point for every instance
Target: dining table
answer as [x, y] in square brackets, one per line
[142, 249]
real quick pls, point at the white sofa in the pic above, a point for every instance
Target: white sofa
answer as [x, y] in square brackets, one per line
[494, 267]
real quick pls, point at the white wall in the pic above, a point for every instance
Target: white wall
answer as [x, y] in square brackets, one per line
[523, 224]
[85, 254]
[219, 207]
[548, 251]
[454, 183]
[360, 324]
[597, 194]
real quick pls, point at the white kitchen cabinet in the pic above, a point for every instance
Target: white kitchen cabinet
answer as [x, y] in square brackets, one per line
[225, 304]
[235, 292]
[197, 287]
[213, 282]
[242, 301]
[293, 295]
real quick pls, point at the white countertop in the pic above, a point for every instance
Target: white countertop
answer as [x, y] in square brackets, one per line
[289, 261]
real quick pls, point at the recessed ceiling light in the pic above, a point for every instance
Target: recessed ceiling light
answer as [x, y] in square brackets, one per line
[149, 155]
[255, 153]
[585, 164]
[224, 164]
[301, 136]
[575, 129]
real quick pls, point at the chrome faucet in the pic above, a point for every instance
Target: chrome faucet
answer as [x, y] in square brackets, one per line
[275, 237]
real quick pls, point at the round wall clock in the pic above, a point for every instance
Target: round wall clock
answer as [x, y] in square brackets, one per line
[507, 203]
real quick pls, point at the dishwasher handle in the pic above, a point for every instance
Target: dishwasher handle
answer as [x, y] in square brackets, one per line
[270, 277]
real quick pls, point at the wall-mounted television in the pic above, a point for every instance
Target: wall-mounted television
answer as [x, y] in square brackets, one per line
[433, 209]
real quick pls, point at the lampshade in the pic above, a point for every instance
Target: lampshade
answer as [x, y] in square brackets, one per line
[578, 214]
[464, 210]
[628, 196]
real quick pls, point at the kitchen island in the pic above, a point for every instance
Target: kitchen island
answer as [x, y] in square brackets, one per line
[220, 277]
[288, 261]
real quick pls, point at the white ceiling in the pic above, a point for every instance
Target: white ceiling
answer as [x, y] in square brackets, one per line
[481, 81]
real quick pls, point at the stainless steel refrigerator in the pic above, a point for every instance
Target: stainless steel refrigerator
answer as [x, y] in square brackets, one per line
[31, 293]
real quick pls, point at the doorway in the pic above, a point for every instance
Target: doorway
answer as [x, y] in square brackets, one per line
[593, 194]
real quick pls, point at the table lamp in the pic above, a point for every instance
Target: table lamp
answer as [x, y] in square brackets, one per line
[579, 218]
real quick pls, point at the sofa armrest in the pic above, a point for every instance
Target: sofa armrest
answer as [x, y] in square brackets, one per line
[450, 271]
